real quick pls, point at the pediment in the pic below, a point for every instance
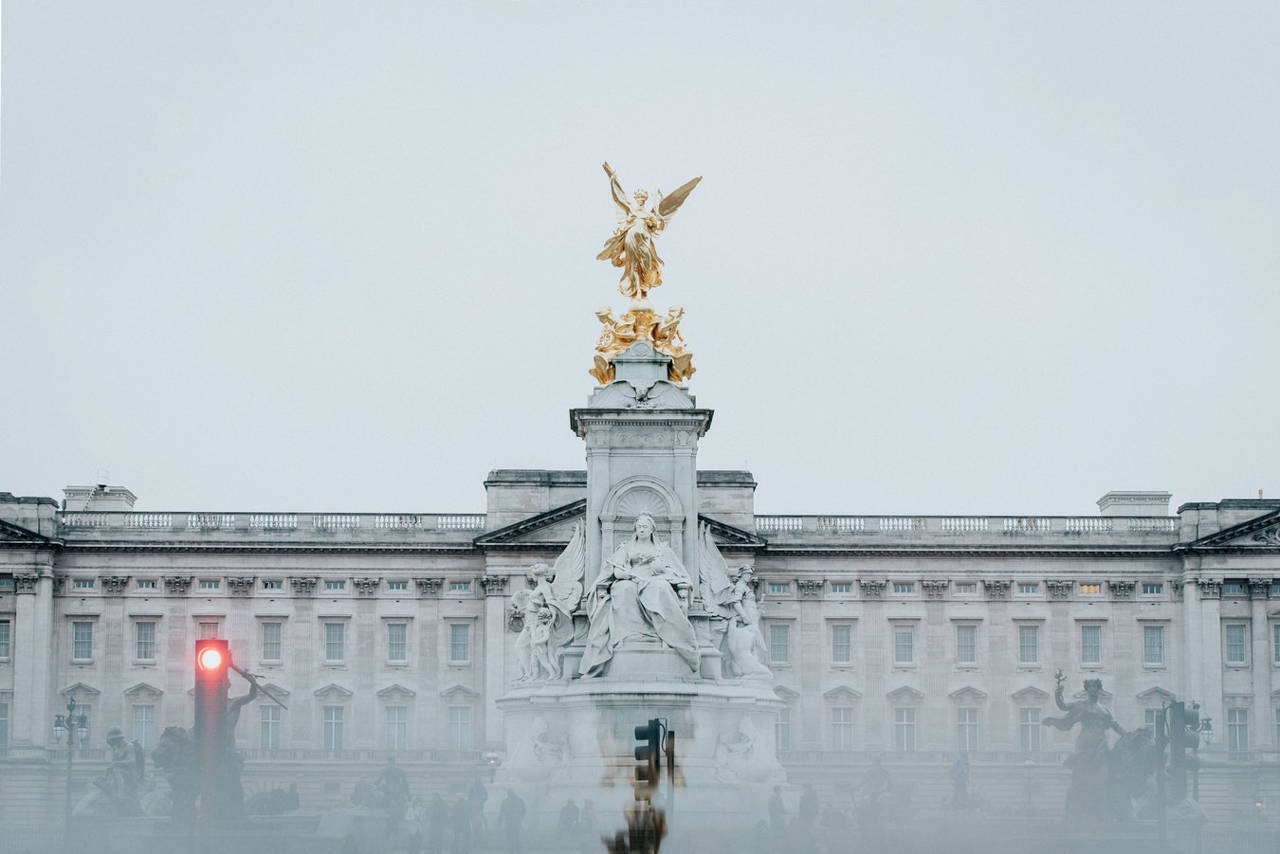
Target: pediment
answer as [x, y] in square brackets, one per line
[624, 394]
[396, 692]
[842, 692]
[785, 693]
[1262, 532]
[143, 691]
[333, 691]
[79, 689]
[275, 690]
[552, 528]
[1156, 693]
[459, 692]
[731, 536]
[1030, 694]
[16, 535]
[968, 694]
[905, 694]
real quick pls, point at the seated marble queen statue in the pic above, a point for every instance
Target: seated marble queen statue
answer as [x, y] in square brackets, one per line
[641, 592]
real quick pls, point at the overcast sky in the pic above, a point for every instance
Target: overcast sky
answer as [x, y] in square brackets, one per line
[945, 257]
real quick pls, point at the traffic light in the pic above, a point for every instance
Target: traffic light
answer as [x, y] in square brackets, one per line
[648, 758]
[212, 660]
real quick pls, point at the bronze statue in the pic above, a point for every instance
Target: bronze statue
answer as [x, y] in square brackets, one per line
[1087, 798]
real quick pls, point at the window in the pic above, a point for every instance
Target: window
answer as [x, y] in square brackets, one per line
[459, 642]
[1152, 588]
[1091, 644]
[841, 645]
[1237, 730]
[6, 584]
[1092, 589]
[1029, 730]
[335, 637]
[966, 588]
[779, 587]
[332, 731]
[903, 645]
[4, 725]
[82, 584]
[1234, 588]
[1151, 718]
[269, 727]
[210, 584]
[459, 586]
[1278, 726]
[1275, 648]
[146, 584]
[782, 729]
[1237, 652]
[1028, 645]
[144, 640]
[335, 584]
[459, 727]
[1153, 645]
[397, 729]
[1028, 588]
[5, 627]
[904, 587]
[1275, 589]
[966, 730]
[272, 584]
[842, 728]
[779, 644]
[82, 641]
[397, 585]
[144, 725]
[271, 637]
[904, 730]
[966, 644]
[397, 642]
[206, 630]
[841, 587]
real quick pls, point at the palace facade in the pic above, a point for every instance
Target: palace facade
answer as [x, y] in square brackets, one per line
[391, 634]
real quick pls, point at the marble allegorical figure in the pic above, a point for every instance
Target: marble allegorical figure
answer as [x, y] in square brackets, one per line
[1088, 796]
[642, 592]
[730, 597]
[547, 608]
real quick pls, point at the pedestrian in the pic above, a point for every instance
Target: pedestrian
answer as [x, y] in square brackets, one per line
[416, 818]
[777, 813]
[960, 782]
[808, 811]
[568, 818]
[460, 825]
[437, 824]
[510, 818]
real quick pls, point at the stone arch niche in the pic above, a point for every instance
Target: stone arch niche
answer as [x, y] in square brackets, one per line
[633, 496]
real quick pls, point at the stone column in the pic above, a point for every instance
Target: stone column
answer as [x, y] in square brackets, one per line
[494, 663]
[1262, 670]
[32, 658]
[1210, 688]
[1192, 640]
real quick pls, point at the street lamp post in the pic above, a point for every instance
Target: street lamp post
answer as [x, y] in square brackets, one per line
[76, 729]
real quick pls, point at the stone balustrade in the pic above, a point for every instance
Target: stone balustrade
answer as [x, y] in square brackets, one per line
[982, 528]
[199, 526]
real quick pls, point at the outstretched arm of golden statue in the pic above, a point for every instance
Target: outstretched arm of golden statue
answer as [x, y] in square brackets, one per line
[671, 203]
[615, 188]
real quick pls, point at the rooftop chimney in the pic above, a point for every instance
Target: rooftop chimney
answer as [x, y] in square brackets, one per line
[78, 499]
[1122, 503]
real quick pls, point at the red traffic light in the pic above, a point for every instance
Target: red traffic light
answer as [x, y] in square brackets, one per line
[212, 657]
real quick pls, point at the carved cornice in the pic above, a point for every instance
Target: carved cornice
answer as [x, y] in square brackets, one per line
[1121, 589]
[429, 586]
[935, 588]
[1059, 588]
[1259, 588]
[241, 585]
[304, 585]
[366, 585]
[177, 585]
[997, 588]
[494, 585]
[25, 582]
[810, 588]
[872, 588]
[114, 585]
[1210, 589]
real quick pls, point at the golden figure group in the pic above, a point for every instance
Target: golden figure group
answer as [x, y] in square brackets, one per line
[631, 247]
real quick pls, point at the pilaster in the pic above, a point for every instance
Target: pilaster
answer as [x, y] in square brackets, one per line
[32, 664]
[494, 660]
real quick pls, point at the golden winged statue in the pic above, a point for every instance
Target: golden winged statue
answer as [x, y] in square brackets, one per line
[631, 244]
